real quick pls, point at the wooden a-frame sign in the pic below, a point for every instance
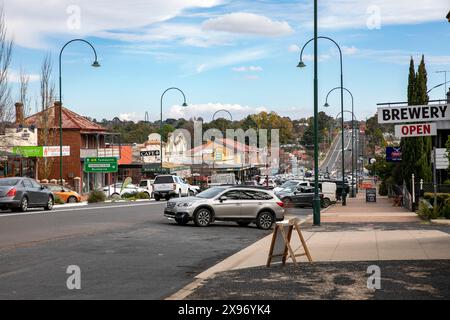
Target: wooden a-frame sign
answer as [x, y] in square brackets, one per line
[281, 242]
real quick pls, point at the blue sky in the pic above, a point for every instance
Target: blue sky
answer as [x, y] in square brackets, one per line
[238, 55]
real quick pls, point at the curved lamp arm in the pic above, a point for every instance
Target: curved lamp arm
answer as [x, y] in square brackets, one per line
[222, 110]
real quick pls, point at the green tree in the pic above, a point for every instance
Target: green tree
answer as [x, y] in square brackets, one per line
[416, 152]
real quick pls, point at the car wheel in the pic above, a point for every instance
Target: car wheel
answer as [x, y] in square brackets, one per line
[157, 198]
[243, 223]
[23, 205]
[167, 198]
[203, 217]
[72, 199]
[115, 196]
[50, 203]
[264, 220]
[326, 203]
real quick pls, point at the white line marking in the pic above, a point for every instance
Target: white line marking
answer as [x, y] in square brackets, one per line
[72, 210]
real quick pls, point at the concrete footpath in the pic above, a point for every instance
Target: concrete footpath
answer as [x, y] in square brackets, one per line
[359, 232]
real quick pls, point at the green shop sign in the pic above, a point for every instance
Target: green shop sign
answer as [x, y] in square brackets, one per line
[101, 165]
[29, 152]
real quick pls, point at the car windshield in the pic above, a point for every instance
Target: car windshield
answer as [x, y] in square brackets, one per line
[8, 182]
[288, 184]
[210, 193]
[164, 179]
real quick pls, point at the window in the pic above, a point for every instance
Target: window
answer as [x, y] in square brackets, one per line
[233, 195]
[255, 195]
[164, 179]
[35, 184]
[27, 183]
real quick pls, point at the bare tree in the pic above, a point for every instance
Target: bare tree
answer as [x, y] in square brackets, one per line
[24, 81]
[6, 46]
[47, 135]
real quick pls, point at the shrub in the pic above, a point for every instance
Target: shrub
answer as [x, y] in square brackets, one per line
[96, 196]
[136, 196]
[426, 210]
[58, 200]
[142, 195]
[383, 190]
[129, 196]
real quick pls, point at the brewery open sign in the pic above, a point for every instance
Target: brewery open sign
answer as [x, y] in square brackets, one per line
[416, 130]
[407, 114]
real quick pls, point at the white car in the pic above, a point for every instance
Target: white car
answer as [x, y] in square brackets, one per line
[168, 186]
[148, 185]
[115, 190]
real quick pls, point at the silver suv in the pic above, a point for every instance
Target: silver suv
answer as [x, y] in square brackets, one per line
[243, 205]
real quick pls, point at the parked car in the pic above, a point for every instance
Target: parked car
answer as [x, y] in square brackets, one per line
[19, 194]
[116, 191]
[243, 205]
[300, 197]
[272, 185]
[148, 185]
[168, 186]
[65, 194]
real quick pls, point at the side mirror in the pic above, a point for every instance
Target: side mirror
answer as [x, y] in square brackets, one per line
[223, 198]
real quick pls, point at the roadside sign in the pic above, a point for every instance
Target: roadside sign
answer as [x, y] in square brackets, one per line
[371, 195]
[101, 165]
[416, 130]
[28, 151]
[150, 153]
[54, 151]
[393, 154]
[414, 114]
[442, 162]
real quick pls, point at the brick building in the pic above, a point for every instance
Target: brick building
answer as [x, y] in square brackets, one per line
[85, 139]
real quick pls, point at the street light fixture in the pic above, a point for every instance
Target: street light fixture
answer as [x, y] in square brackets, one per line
[316, 124]
[353, 130]
[95, 64]
[161, 123]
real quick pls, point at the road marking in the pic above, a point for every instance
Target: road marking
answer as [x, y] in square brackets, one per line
[78, 209]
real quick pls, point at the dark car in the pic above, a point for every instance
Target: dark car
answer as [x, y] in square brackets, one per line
[298, 197]
[19, 194]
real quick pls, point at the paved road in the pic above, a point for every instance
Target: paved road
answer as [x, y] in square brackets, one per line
[125, 251]
[333, 161]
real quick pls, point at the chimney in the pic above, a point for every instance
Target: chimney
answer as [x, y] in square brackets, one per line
[19, 113]
[57, 112]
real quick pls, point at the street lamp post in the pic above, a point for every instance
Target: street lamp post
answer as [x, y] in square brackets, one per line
[353, 133]
[95, 64]
[316, 151]
[161, 123]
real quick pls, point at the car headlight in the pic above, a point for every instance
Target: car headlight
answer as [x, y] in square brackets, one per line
[185, 204]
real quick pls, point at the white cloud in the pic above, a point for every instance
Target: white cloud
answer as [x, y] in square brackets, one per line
[248, 23]
[132, 116]
[349, 50]
[206, 111]
[231, 58]
[248, 69]
[14, 77]
[357, 13]
[294, 48]
[32, 23]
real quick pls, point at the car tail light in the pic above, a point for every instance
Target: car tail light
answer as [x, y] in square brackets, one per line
[12, 192]
[281, 204]
[174, 187]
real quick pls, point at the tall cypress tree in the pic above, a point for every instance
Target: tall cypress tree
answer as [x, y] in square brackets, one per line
[423, 99]
[416, 152]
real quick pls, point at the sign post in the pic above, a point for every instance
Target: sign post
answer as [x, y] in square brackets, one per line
[101, 165]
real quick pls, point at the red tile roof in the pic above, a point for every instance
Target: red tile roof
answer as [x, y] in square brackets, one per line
[70, 120]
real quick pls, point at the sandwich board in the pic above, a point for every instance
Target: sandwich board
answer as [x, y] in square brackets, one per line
[281, 242]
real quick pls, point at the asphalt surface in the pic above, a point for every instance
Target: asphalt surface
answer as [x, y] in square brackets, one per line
[400, 280]
[124, 251]
[333, 161]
